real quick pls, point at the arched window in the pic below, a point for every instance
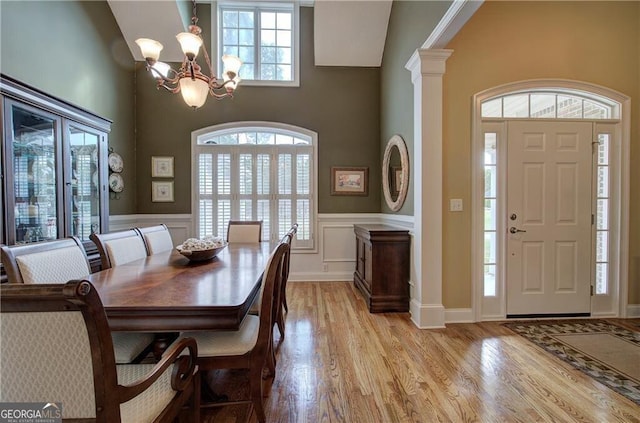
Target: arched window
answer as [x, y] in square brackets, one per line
[255, 171]
[549, 105]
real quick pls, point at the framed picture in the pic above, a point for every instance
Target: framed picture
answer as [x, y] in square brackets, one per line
[349, 181]
[162, 192]
[161, 167]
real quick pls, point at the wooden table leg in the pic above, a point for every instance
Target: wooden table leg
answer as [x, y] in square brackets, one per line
[162, 342]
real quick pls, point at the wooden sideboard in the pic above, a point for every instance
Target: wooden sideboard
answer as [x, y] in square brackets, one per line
[382, 267]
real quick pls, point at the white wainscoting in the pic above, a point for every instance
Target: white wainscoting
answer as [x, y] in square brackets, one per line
[180, 225]
[333, 259]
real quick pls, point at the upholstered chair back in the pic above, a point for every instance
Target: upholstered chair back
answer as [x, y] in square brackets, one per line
[55, 346]
[157, 239]
[64, 367]
[46, 262]
[46, 355]
[118, 248]
[244, 231]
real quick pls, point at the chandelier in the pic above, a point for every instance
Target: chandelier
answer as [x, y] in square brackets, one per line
[189, 79]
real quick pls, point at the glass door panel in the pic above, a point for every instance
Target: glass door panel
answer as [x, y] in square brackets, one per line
[34, 159]
[84, 181]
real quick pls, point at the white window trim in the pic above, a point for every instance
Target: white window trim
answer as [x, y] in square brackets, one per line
[249, 125]
[216, 41]
[620, 172]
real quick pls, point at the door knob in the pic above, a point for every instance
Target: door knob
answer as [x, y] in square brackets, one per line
[515, 230]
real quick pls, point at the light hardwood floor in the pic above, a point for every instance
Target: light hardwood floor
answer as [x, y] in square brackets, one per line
[339, 363]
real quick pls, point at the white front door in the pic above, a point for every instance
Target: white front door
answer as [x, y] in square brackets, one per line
[549, 209]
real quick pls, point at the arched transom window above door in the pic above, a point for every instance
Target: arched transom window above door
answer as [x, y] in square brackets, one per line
[550, 105]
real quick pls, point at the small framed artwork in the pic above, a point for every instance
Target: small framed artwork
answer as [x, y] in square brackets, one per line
[162, 167]
[349, 181]
[162, 192]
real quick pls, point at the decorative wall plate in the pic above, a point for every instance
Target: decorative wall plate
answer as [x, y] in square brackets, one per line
[116, 183]
[115, 162]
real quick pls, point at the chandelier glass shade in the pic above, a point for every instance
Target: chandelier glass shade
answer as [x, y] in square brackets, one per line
[189, 80]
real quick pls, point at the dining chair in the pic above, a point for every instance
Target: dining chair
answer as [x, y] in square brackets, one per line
[157, 239]
[279, 319]
[118, 248]
[282, 303]
[60, 261]
[291, 234]
[244, 231]
[250, 346]
[55, 346]
[54, 261]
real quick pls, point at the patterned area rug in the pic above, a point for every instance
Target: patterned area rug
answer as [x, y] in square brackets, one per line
[607, 352]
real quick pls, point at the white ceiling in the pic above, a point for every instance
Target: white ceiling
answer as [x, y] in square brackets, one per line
[350, 33]
[347, 33]
[158, 20]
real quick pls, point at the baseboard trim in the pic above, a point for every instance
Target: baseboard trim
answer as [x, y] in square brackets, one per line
[633, 310]
[427, 316]
[321, 277]
[458, 315]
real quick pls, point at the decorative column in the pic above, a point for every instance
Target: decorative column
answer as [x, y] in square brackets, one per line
[427, 68]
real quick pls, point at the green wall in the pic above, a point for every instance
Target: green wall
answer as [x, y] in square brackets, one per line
[410, 24]
[75, 51]
[341, 104]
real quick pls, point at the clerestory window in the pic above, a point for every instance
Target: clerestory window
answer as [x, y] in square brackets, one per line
[265, 37]
[255, 172]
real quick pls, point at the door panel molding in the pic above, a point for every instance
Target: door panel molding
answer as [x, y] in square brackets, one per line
[616, 301]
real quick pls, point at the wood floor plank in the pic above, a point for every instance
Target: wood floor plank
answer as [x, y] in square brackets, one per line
[340, 363]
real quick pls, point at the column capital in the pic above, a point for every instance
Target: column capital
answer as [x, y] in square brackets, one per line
[427, 62]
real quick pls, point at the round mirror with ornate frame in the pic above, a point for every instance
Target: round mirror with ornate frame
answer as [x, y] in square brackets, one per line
[395, 172]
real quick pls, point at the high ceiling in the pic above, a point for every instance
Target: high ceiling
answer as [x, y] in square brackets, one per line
[347, 33]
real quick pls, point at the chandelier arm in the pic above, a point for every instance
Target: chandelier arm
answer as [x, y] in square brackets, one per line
[220, 96]
[173, 90]
[158, 75]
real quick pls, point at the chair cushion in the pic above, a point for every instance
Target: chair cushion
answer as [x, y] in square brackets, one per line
[31, 373]
[226, 343]
[125, 250]
[159, 241]
[150, 403]
[54, 266]
[129, 345]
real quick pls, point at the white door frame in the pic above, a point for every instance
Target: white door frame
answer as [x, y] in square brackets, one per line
[495, 308]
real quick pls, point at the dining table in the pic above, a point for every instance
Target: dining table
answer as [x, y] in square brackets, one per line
[166, 292]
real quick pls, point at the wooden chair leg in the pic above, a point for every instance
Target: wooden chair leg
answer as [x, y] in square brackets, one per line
[280, 323]
[255, 386]
[271, 361]
[194, 416]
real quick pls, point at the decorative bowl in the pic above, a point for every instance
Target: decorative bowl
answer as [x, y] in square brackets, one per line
[200, 255]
